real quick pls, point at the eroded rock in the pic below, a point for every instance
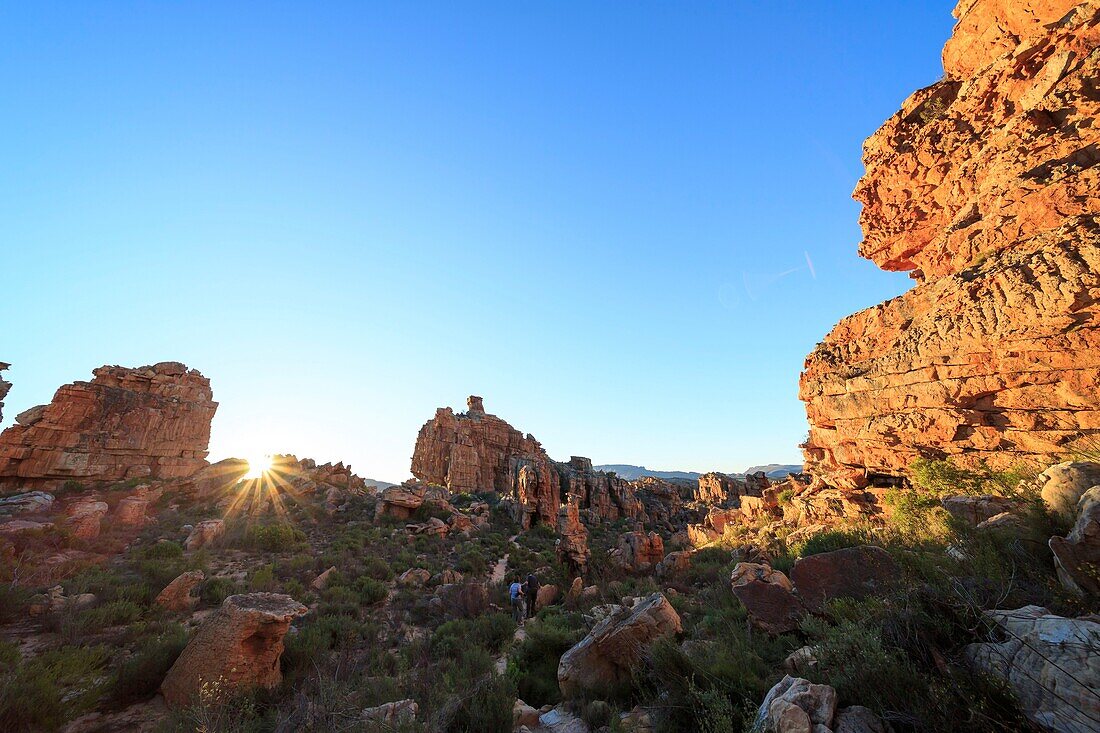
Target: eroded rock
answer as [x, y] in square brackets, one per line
[1077, 555]
[237, 647]
[176, 596]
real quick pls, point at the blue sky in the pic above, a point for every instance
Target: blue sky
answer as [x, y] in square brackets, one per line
[595, 215]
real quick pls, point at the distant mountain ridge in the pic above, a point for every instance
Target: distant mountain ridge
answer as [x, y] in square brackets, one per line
[632, 473]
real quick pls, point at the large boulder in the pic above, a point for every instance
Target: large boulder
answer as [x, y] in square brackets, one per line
[854, 572]
[1063, 484]
[204, 534]
[639, 551]
[1077, 555]
[176, 596]
[1051, 665]
[237, 647]
[31, 502]
[391, 714]
[796, 705]
[400, 501]
[130, 511]
[973, 510]
[572, 547]
[606, 657]
[85, 516]
[767, 596]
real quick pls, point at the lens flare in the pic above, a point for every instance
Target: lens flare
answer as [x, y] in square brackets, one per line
[258, 466]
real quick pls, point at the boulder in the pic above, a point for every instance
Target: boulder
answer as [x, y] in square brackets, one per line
[176, 596]
[434, 527]
[973, 510]
[400, 501]
[1063, 484]
[524, 714]
[858, 719]
[1077, 555]
[1051, 665]
[392, 713]
[446, 577]
[204, 534]
[854, 572]
[767, 596]
[546, 596]
[605, 657]
[638, 551]
[85, 516]
[674, 563]
[131, 510]
[238, 646]
[576, 588]
[414, 577]
[32, 502]
[321, 581]
[796, 705]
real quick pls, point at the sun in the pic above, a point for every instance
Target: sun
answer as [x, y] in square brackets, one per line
[258, 466]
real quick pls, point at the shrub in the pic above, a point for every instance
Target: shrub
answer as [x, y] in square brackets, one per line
[42, 693]
[486, 709]
[377, 568]
[263, 579]
[834, 539]
[315, 639]
[534, 662]
[370, 591]
[13, 599]
[275, 537]
[216, 590]
[140, 675]
[339, 600]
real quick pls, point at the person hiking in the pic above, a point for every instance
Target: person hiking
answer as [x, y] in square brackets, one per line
[515, 592]
[531, 590]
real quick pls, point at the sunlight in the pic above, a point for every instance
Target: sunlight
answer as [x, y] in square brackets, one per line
[258, 466]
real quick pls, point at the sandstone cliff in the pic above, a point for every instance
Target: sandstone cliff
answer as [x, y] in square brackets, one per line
[475, 451]
[984, 186]
[153, 421]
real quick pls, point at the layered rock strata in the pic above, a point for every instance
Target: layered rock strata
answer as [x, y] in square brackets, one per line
[153, 421]
[984, 186]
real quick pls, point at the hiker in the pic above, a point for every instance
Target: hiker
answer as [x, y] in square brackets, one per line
[531, 590]
[515, 592]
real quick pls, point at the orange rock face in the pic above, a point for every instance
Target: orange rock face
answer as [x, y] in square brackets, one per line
[985, 187]
[153, 421]
[475, 451]
[4, 388]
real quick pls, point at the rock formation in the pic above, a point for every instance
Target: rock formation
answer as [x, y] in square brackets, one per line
[1050, 663]
[475, 451]
[152, 421]
[572, 547]
[176, 596]
[237, 647]
[984, 186]
[796, 705]
[606, 656]
[4, 388]
[1077, 556]
[853, 572]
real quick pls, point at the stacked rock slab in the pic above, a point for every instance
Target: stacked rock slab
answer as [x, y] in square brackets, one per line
[984, 186]
[475, 451]
[152, 421]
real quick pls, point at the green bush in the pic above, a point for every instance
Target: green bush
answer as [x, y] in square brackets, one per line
[216, 590]
[370, 591]
[139, 676]
[13, 601]
[834, 539]
[314, 640]
[275, 538]
[377, 569]
[42, 693]
[485, 709]
[534, 662]
[263, 579]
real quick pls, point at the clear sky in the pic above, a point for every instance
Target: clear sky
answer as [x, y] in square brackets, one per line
[599, 216]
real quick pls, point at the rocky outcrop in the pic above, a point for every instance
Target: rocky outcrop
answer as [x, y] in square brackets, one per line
[205, 533]
[152, 421]
[796, 705]
[1063, 484]
[854, 572]
[475, 451]
[605, 657]
[985, 187]
[5, 387]
[572, 547]
[236, 648]
[1077, 555]
[767, 596]
[638, 551]
[1050, 663]
[176, 596]
[85, 517]
[718, 488]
